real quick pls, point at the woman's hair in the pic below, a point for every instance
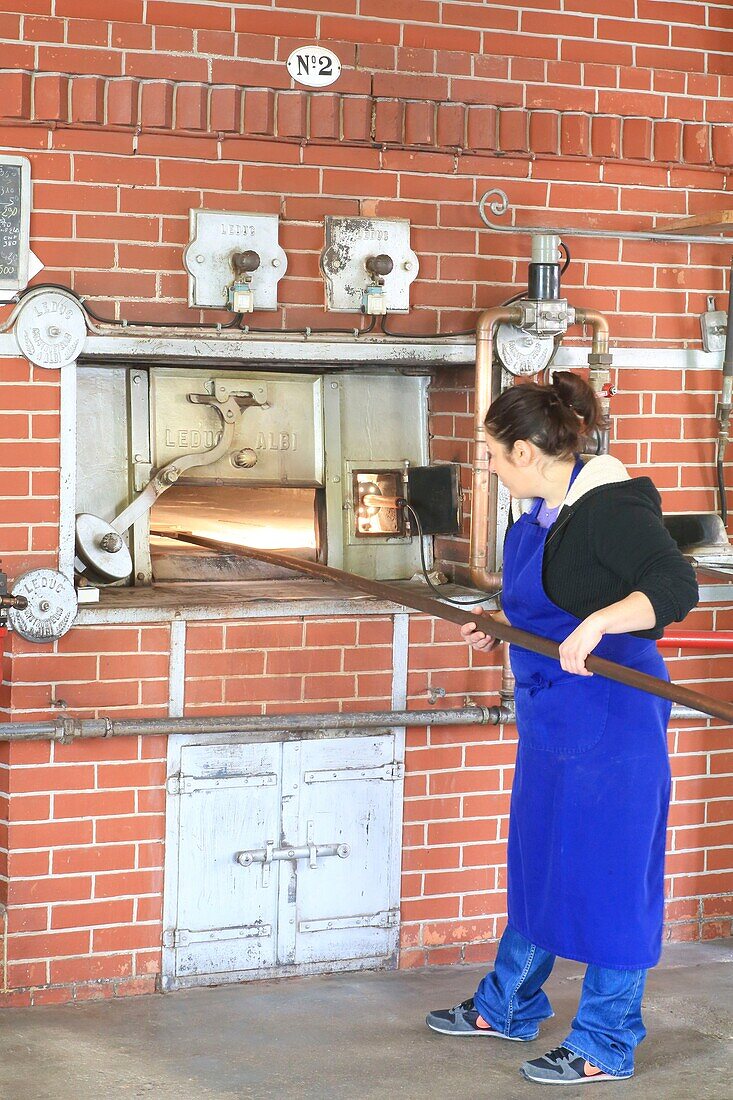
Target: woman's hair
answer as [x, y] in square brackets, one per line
[552, 417]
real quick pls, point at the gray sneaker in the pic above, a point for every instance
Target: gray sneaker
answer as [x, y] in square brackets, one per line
[562, 1067]
[462, 1020]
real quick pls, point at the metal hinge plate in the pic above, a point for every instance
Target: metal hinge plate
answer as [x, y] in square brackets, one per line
[389, 772]
[388, 918]
[188, 784]
[182, 937]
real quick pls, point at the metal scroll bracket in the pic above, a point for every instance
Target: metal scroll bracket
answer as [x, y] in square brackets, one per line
[497, 202]
[100, 545]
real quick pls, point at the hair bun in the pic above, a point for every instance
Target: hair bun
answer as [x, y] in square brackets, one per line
[554, 416]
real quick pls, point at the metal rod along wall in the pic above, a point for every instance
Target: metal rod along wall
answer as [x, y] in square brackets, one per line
[68, 729]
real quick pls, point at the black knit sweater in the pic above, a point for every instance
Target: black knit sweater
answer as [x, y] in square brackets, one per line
[612, 542]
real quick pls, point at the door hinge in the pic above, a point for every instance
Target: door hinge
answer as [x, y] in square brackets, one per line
[182, 937]
[388, 772]
[387, 918]
[188, 784]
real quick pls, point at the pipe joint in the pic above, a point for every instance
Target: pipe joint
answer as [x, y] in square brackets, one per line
[600, 359]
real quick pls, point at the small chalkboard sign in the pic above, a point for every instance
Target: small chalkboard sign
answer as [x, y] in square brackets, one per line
[15, 209]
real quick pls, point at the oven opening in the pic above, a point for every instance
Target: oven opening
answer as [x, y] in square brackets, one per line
[266, 518]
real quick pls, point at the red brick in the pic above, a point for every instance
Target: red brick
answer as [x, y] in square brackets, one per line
[259, 111]
[190, 107]
[419, 123]
[696, 143]
[389, 120]
[667, 141]
[637, 138]
[357, 118]
[87, 99]
[156, 104]
[723, 145]
[41, 29]
[90, 968]
[51, 945]
[575, 135]
[225, 109]
[16, 95]
[513, 131]
[324, 115]
[544, 132]
[481, 128]
[197, 16]
[51, 98]
[451, 124]
[141, 827]
[292, 108]
[129, 11]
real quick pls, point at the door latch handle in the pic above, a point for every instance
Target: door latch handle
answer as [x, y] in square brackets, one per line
[270, 854]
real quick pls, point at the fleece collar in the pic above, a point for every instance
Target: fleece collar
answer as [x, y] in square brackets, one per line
[598, 471]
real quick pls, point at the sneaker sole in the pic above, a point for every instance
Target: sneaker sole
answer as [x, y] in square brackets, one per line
[484, 1032]
[579, 1081]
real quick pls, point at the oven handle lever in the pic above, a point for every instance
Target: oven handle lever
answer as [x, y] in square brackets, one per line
[230, 411]
[98, 543]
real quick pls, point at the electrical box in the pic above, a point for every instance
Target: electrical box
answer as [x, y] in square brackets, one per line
[368, 265]
[212, 258]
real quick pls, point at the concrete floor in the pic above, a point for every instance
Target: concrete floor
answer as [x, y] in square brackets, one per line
[354, 1037]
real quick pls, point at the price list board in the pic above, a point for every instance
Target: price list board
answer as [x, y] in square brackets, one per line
[15, 208]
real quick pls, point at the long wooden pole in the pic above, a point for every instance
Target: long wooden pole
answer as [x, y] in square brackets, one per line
[716, 708]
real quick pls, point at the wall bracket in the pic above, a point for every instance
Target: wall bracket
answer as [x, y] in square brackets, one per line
[498, 204]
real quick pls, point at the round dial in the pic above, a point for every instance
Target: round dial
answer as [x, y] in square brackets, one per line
[521, 352]
[51, 606]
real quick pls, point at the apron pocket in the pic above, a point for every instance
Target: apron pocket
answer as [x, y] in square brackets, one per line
[565, 714]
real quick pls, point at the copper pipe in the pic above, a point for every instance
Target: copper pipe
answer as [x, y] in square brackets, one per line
[599, 362]
[599, 326]
[482, 563]
[408, 597]
[506, 691]
[375, 500]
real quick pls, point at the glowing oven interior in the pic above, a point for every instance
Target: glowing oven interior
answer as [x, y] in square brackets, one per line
[266, 518]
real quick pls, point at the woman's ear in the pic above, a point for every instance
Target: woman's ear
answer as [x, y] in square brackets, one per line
[523, 453]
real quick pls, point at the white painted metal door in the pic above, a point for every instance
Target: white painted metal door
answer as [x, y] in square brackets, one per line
[288, 858]
[227, 914]
[346, 907]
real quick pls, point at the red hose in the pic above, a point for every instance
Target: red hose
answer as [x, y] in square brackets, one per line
[714, 641]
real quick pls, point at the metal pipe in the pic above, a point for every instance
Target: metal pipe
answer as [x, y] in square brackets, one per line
[599, 327]
[714, 641]
[679, 711]
[599, 364]
[408, 597]
[68, 729]
[484, 490]
[724, 405]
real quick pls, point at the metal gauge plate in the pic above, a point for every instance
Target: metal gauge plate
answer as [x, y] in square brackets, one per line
[521, 352]
[100, 547]
[50, 328]
[51, 606]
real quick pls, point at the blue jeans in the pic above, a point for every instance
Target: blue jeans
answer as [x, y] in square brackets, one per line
[608, 1025]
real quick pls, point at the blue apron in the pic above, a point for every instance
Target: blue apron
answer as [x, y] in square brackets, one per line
[591, 787]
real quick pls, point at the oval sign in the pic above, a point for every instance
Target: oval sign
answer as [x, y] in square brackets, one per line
[314, 66]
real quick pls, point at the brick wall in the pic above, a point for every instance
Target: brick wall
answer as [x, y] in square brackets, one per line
[581, 116]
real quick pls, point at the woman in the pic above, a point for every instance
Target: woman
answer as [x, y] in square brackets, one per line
[592, 567]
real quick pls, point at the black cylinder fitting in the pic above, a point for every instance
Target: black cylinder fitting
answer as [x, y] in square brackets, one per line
[544, 282]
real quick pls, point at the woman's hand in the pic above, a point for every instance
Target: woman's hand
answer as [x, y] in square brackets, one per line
[577, 646]
[479, 639]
